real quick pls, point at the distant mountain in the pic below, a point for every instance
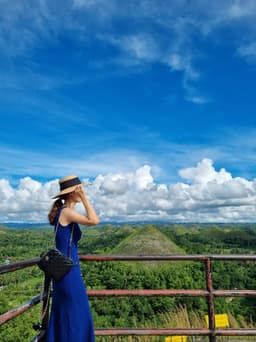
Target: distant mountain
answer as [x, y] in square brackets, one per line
[24, 225]
[148, 240]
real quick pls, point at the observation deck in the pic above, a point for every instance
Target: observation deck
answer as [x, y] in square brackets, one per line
[209, 293]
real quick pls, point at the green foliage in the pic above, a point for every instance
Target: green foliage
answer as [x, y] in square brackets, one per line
[20, 286]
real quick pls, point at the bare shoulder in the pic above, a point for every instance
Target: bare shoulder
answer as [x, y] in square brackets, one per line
[65, 216]
[71, 215]
[68, 212]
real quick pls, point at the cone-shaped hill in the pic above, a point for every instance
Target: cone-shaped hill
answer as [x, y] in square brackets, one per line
[148, 240]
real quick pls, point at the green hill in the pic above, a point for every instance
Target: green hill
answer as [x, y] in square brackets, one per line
[148, 240]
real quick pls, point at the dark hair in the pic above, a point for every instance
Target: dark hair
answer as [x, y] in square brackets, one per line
[55, 207]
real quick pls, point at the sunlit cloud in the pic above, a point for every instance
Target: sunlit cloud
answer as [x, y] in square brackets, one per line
[204, 194]
[136, 174]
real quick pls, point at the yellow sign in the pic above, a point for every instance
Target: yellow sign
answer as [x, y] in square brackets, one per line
[176, 339]
[221, 321]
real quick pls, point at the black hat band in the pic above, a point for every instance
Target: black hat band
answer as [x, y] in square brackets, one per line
[69, 183]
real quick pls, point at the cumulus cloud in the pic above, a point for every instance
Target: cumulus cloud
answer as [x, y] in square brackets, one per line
[204, 194]
[204, 173]
[113, 184]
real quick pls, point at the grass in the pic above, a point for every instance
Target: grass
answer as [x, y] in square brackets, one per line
[181, 318]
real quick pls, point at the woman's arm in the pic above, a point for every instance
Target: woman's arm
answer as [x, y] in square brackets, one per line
[89, 219]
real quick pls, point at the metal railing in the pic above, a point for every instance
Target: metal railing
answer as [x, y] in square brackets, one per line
[209, 293]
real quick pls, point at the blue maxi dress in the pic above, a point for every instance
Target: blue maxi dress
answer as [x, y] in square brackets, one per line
[70, 317]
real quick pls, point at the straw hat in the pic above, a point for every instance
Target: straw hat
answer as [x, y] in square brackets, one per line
[68, 184]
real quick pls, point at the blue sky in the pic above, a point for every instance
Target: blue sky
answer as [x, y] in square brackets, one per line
[97, 87]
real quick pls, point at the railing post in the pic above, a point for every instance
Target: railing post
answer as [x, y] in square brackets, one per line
[209, 286]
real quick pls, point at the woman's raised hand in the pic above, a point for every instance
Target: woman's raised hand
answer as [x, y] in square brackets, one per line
[80, 190]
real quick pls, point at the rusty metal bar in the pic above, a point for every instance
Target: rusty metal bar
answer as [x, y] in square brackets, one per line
[170, 293]
[147, 293]
[5, 317]
[174, 332]
[210, 293]
[210, 302]
[235, 332]
[140, 292]
[244, 257]
[151, 332]
[234, 293]
[14, 266]
[113, 257]
[163, 332]
[181, 257]
[123, 293]
[196, 257]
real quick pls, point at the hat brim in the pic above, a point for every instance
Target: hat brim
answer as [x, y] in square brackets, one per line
[70, 189]
[65, 191]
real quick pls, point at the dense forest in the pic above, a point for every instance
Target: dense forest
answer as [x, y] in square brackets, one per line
[156, 239]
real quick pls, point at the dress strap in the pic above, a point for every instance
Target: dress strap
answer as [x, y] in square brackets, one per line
[57, 219]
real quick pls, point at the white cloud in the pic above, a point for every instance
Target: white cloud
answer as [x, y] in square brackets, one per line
[143, 178]
[154, 32]
[113, 184]
[234, 149]
[179, 62]
[29, 201]
[204, 173]
[141, 47]
[248, 51]
[211, 195]
[6, 190]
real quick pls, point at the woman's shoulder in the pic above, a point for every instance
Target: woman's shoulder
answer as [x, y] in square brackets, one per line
[68, 215]
[66, 211]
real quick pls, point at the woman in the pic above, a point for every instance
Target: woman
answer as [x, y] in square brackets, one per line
[70, 318]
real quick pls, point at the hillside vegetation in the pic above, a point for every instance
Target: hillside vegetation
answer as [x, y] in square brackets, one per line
[148, 240]
[22, 285]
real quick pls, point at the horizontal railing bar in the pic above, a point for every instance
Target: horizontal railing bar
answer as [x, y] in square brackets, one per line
[115, 257]
[14, 266]
[97, 257]
[245, 257]
[145, 293]
[5, 317]
[181, 257]
[235, 332]
[150, 332]
[174, 332]
[175, 293]
[137, 292]
[129, 293]
[164, 332]
[234, 293]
